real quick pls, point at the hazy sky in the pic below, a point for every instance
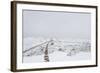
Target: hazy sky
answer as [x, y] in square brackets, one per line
[56, 24]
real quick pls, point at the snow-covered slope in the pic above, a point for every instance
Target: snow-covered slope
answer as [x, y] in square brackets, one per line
[58, 56]
[58, 50]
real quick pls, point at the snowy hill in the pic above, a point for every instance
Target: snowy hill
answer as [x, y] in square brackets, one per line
[61, 48]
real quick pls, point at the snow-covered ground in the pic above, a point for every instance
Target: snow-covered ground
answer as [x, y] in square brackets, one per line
[58, 56]
[60, 50]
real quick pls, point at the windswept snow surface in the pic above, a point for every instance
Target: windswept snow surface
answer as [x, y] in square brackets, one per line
[61, 50]
[58, 56]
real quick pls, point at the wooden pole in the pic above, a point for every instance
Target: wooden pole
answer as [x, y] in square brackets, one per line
[46, 57]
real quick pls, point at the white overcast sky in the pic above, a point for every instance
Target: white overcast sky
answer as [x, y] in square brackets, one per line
[56, 24]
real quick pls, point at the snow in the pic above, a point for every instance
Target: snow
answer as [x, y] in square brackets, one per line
[30, 42]
[62, 50]
[58, 56]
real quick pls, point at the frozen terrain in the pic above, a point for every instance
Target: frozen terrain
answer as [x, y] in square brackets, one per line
[35, 50]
